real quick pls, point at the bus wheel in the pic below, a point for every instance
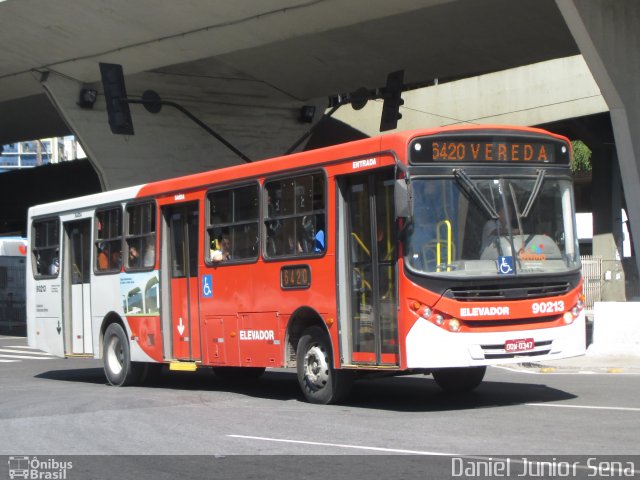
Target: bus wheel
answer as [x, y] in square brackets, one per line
[238, 373]
[459, 380]
[118, 367]
[319, 381]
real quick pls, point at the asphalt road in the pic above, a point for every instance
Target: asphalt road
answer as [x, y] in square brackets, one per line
[63, 407]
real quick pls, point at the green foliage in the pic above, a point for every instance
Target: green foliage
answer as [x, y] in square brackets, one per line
[581, 162]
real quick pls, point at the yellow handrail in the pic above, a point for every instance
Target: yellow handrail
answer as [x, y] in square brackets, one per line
[361, 243]
[439, 242]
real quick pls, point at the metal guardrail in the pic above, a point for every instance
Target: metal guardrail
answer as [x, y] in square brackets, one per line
[592, 275]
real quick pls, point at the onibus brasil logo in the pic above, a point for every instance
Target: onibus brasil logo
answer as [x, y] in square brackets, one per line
[40, 469]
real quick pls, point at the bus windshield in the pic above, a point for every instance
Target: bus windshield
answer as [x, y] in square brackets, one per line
[487, 226]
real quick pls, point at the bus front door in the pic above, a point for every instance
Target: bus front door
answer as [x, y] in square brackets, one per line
[77, 287]
[368, 248]
[181, 254]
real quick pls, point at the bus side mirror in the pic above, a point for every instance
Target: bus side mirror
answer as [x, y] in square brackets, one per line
[402, 198]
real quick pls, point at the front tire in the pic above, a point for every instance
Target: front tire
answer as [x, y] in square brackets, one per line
[118, 367]
[459, 380]
[319, 381]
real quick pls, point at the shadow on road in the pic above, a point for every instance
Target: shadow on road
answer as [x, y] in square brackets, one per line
[402, 394]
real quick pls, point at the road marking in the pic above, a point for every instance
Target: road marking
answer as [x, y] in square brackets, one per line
[356, 447]
[26, 357]
[514, 369]
[7, 361]
[534, 371]
[9, 350]
[586, 407]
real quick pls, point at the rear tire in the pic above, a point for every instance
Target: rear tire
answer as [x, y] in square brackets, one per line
[319, 381]
[118, 367]
[459, 380]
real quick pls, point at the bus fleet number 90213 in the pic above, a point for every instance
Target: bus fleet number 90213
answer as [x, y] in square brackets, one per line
[547, 307]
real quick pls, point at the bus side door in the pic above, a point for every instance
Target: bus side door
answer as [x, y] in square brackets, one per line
[367, 255]
[181, 227]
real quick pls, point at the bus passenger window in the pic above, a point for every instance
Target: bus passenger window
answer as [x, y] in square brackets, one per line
[45, 248]
[232, 228]
[295, 218]
[141, 236]
[108, 244]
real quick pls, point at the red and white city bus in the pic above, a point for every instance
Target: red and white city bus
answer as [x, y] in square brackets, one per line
[437, 251]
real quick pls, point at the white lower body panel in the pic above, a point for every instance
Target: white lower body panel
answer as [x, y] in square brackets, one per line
[429, 346]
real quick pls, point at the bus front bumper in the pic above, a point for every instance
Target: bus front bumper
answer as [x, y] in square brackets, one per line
[429, 346]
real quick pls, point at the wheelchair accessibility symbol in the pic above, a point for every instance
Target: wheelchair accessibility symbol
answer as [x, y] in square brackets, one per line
[505, 265]
[207, 286]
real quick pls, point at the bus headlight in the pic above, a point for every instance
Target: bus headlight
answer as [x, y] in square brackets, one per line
[438, 319]
[454, 324]
[568, 317]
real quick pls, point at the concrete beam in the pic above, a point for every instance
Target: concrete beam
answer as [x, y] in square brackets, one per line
[529, 95]
[168, 144]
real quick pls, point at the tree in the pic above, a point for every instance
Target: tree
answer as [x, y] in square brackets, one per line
[581, 162]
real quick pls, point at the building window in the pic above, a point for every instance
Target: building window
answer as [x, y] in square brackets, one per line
[295, 216]
[141, 236]
[108, 245]
[45, 249]
[232, 227]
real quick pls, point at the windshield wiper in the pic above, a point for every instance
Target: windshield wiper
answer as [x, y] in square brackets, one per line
[534, 194]
[473, 191]
[519, 215]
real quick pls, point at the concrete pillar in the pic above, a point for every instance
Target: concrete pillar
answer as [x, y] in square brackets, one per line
[608, 36]
[607, 230]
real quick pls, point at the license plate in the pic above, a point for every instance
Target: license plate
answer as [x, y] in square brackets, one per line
[520, 345]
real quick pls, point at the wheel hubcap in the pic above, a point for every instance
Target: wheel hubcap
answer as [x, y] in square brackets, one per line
[316, 367]
[115, 355]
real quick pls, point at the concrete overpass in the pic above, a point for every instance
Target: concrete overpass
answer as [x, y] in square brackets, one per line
[245, 68]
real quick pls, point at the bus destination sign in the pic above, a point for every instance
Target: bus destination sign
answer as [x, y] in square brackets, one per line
[479, 150]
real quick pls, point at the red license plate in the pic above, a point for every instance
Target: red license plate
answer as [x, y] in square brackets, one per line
[520, 345]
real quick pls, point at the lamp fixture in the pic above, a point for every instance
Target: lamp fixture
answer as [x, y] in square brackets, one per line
[87, 98]
[307, 112]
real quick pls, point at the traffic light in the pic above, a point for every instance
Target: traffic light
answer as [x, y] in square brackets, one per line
[392, 95]
[115, 96]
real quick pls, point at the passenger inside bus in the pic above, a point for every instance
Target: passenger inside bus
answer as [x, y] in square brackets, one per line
[313, 238]
[116, 259]
[221, 249]
[496, 228]
[134, 256]
[54, 268]
[103, 257]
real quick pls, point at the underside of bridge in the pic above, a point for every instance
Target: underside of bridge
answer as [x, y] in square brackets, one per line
[246, 68]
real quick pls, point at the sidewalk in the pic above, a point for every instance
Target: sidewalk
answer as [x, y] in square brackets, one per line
[589, 363]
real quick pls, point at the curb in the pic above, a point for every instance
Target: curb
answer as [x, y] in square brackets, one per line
[542, 368]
